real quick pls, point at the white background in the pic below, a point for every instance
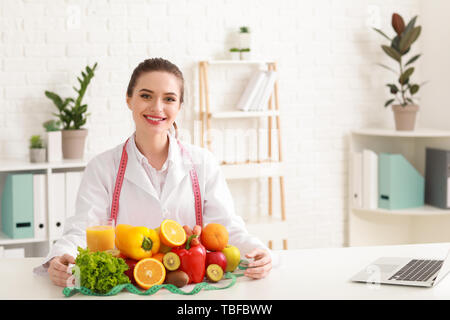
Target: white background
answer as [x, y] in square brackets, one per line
[326, 54]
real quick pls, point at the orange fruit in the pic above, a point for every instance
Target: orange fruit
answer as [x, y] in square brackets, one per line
[159, 256]
[172, 233]
[149, 272]
[214, 237]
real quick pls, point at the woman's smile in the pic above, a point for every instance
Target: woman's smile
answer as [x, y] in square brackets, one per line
[154, 120]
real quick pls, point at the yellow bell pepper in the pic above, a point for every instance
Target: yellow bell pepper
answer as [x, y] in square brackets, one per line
[136, 242]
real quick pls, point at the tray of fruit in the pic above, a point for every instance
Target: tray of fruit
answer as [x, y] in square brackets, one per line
[146, 260]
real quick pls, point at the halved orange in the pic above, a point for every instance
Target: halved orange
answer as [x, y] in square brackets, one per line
[149, 272]
[172, 233]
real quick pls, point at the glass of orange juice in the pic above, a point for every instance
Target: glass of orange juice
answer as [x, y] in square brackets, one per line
[100, 234]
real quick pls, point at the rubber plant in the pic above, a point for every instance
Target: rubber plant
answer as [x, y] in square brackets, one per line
[399, 46]
[72, 113]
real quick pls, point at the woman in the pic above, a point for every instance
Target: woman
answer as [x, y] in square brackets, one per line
[157, 183]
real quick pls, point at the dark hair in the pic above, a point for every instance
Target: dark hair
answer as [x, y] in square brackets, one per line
[156, 64]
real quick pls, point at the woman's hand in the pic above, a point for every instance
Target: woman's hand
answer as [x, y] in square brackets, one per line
[58, 270]
[261, 265]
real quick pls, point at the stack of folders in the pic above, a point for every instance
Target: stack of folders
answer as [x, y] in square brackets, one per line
[258, 91]
[386, 181]
[25, 204]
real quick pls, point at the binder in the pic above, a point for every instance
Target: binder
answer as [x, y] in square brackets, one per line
[58, 211]
[357, 173]
[437, 177]
[370, 179]
[400, 185]
[40, 208]
[72, 181]
[17, 206]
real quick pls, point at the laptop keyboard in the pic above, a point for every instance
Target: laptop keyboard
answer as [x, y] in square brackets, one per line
[418, 270]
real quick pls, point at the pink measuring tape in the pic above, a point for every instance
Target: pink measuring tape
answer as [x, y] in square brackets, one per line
[121, 174]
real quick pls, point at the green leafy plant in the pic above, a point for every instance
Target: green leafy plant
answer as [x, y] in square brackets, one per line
[100, 271]
[234, 50]
[398, 47]
[244, 30]
[72, 113]
[36, 142]
[52, 125]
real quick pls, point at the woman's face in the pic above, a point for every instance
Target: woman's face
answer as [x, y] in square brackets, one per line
[155, 102]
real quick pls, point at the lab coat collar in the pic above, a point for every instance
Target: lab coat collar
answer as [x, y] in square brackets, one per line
[178, 168]
[142, 159]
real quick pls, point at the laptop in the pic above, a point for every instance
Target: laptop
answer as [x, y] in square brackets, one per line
[404, 271]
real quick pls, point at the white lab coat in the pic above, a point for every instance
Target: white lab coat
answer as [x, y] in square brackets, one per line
[139, 204]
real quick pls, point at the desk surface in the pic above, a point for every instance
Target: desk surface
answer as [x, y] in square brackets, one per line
[301, 274]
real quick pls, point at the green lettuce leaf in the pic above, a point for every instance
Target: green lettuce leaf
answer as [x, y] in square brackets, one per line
[100, 271]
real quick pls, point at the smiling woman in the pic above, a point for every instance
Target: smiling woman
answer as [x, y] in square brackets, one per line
[149, 176]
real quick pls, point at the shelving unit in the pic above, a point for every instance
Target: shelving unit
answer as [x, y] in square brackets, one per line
[36, 246]
[424, 224]
[270, 169]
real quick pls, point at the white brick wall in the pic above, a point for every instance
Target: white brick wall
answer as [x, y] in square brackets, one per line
[328, 81]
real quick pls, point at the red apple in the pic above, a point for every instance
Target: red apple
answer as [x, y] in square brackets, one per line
[129, 273]
[216, 257]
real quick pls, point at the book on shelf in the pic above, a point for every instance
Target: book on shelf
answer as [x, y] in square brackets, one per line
[58, 205]
[250, 91]
[262, 99]
[258, 91]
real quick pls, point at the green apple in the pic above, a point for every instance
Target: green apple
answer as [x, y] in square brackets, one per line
[233, 256]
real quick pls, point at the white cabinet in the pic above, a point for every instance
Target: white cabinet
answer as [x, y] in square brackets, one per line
[39, 246]
[371, 227]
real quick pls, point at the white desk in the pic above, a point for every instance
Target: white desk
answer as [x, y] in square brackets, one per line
[302, 274]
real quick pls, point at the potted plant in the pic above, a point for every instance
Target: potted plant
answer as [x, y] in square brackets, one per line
[244, 37]
[245, 54]
[235, 54]
[72, 114]
[403, 104]
[37, 150]
[54, 140]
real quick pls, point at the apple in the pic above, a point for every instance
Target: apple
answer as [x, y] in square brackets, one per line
[233, 256]
[216, 257]
[131, 264]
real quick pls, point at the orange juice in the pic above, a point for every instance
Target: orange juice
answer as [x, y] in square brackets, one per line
[100, 238]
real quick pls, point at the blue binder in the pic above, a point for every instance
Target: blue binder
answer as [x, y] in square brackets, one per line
[17, 206]
[400, 185]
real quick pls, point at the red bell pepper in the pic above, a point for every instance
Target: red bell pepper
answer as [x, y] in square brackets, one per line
[193, 260]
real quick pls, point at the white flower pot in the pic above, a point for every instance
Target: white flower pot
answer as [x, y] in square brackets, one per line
[246, 55]
[54, 146]
[235, 55]
[37, 155]
[244, 40]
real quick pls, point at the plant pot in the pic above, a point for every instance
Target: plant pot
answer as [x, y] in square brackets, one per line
[37, 155]
[73, 143]
[54, 146]
[244, 40]
[245, 55]
[405, 116]
[235, 55]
